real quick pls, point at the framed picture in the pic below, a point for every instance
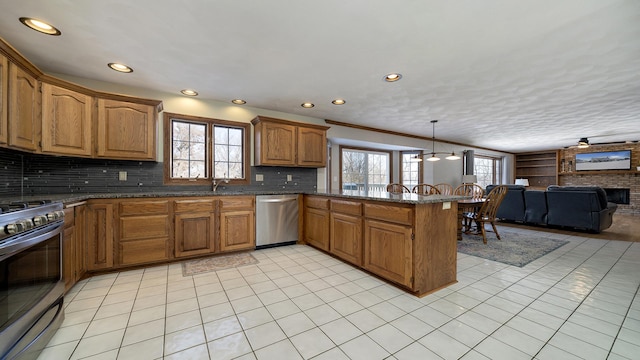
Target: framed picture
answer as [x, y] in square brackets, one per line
[608, 160]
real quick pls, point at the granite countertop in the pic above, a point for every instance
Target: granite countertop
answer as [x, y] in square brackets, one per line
[71, 198]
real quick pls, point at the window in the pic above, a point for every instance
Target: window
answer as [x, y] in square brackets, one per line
[411, 172]
[364, 169]
[488, 170]
[198, 150]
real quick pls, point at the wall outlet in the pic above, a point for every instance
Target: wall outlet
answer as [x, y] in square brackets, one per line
[259, 177]
[122, 176]
[289, 177]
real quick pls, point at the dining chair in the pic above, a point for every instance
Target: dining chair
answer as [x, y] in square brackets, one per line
[487, 212]
[425, 189]
[473, 190]
[397, 188]
[444, 188]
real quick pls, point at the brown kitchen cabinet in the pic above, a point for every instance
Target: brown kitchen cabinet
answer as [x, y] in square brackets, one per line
[24, 109]
[388, 251]
[286, 143]
[73, 238]
[410, 244]
[195, 227]
[143, 231]
[66, 121]
[126, 130]
[316, 221]
[4, 99]
[237, 223]
[99, 235]
[346, 230]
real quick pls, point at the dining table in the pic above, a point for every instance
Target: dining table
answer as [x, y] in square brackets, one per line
[467, 205]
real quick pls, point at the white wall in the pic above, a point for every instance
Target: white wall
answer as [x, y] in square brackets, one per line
[442, 171]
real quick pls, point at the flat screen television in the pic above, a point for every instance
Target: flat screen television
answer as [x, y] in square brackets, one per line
[607, 160]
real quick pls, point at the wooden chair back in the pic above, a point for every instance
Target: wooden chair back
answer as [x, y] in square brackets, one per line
[474, 190]
[397, 188]
[445, 189]
[487, 212]
[425, 189]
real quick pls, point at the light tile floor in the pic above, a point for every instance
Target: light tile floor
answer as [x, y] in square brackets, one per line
[578, 302]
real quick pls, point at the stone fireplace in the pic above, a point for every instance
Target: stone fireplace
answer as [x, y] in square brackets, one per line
[622, 186]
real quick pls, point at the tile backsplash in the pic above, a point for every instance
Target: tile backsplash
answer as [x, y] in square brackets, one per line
[24, 174]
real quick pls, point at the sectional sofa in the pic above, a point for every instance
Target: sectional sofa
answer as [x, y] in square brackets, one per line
[576, 207]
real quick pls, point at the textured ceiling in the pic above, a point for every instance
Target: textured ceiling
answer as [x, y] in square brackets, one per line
[509, 75]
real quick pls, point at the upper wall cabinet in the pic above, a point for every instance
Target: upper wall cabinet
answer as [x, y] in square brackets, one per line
[285, 143]
[126, 130]
[4, 98]
[66, 121]
[24, 109]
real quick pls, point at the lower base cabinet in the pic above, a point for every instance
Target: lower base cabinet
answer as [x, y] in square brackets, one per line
[143, 231]
[99, 236]
[195, 234]
[235, 230]
[388, 251]
[346, 237]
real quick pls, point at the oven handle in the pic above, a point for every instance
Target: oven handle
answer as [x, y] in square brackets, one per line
[28, 239]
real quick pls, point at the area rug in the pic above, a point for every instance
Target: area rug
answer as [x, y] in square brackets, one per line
[215, 263]
[514, 248]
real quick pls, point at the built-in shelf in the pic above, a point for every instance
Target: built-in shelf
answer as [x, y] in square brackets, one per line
[541, 168]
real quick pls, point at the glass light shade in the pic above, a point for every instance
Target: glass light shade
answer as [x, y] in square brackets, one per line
[433, 157]
[453, 156]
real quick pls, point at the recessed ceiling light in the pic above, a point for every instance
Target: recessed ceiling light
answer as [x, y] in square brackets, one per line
[189, 92]
[338, 102]
[392, 77]
[307, 105]
[120, 67]
[40, 26]
[238, 101]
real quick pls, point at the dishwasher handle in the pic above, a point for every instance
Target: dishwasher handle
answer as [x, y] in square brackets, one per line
[277, 200]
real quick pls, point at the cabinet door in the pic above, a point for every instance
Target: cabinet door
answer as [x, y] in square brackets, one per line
[388, 251]
[346, 237]
[126, 130]
[312, 147]
[99, 236]
[237, 230]
[24, 109]
[277, 144]
[66, 121]
[80, 229]
[68, 257]
[195, 233]
[316, 228]
[4, 98]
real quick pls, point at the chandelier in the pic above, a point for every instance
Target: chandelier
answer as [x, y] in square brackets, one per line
[433, 154]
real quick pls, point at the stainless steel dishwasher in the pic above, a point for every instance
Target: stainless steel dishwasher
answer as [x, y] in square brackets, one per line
[276, 220]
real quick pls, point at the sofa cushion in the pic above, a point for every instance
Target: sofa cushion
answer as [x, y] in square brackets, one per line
[512, 207]
[536, 207]
[602, 195]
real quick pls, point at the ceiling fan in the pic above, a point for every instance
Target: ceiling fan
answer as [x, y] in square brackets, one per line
[584, 142]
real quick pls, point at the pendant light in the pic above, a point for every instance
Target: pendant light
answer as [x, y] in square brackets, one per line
[433, 152]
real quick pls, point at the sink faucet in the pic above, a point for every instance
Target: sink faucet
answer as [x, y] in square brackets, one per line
[217, 182]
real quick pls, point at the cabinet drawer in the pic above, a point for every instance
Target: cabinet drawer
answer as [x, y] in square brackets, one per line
[232, 203]
[143, 207]
[194, 205]
[316, 202]
[143, 251]
[391, 213]
[346, 207]
[144, 227]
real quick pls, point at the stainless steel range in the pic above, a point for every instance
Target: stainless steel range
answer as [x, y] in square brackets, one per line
[31, 286]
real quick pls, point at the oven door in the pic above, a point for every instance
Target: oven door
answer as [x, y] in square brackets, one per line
[31, 290]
